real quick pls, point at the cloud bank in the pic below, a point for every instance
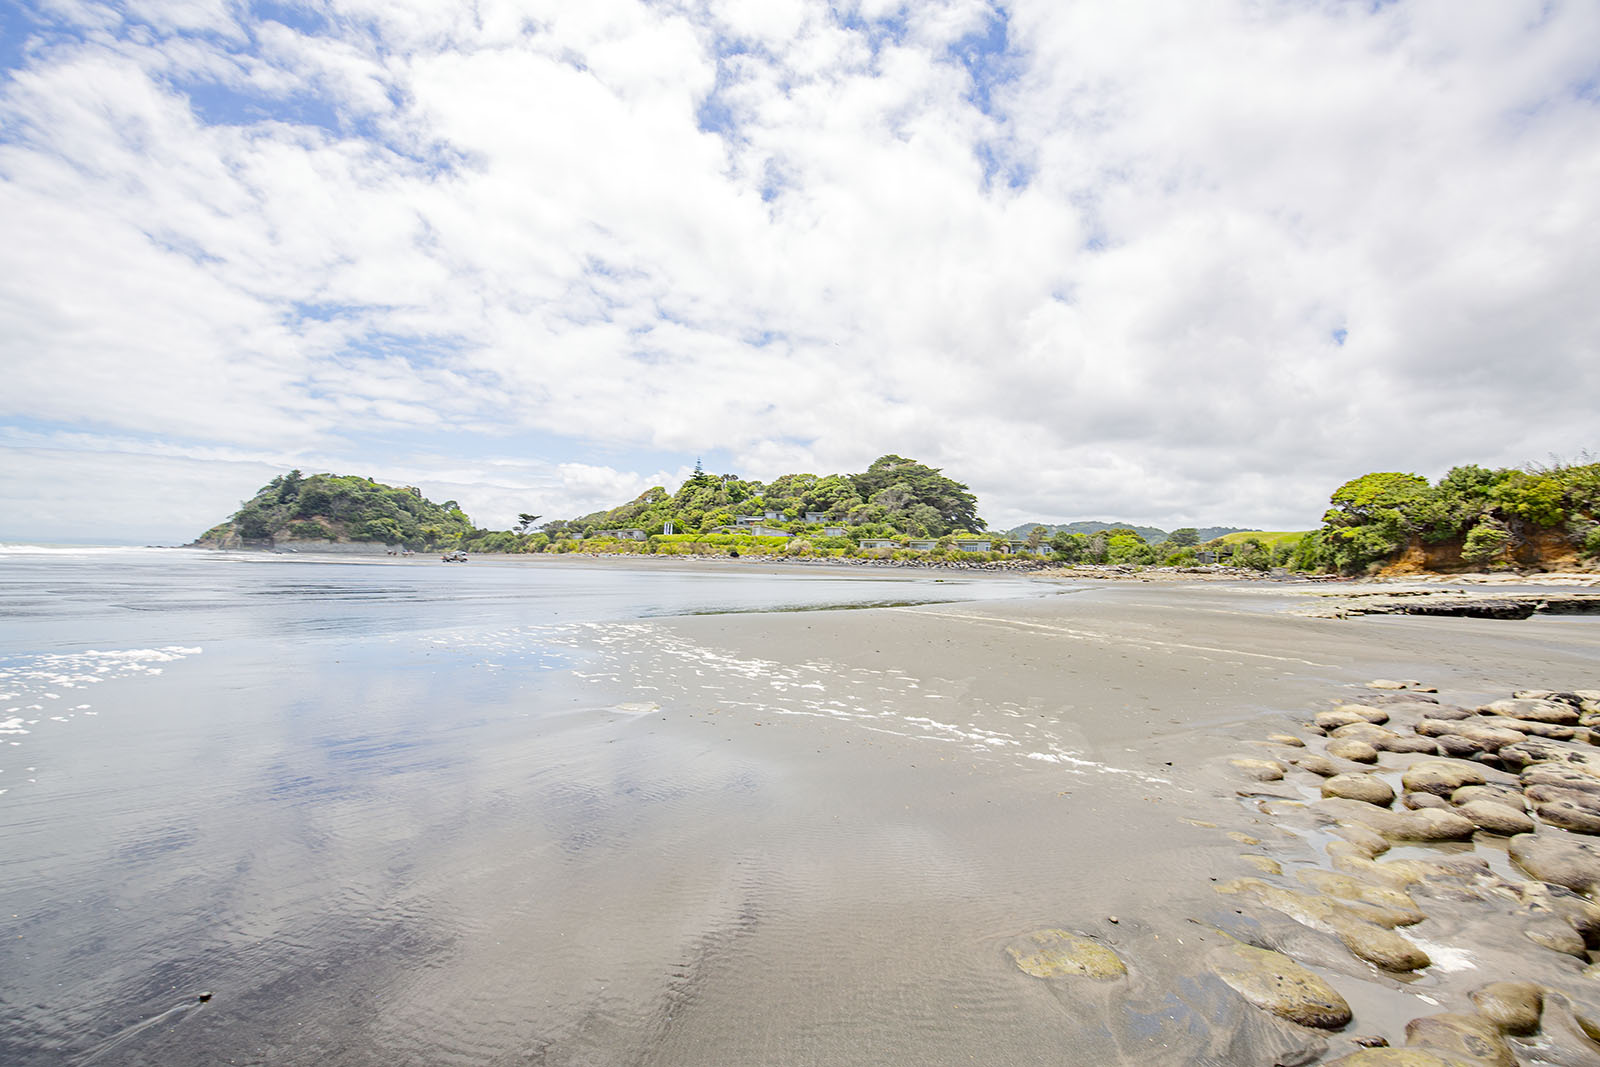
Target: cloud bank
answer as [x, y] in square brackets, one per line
[1175, 263]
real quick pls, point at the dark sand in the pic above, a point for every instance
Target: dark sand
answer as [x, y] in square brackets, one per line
[952, 777]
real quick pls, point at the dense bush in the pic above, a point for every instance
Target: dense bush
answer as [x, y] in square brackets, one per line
[1492, 513]
[293, 507]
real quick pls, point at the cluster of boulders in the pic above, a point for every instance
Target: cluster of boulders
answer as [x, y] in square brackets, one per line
[1398, 767]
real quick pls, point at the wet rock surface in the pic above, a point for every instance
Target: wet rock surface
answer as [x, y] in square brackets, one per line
[1456, 847]
[1061, 954]
[1274, 982]
[1423, 875]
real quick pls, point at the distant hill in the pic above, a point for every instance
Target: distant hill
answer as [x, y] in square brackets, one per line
[1149, 533]
[338, 508]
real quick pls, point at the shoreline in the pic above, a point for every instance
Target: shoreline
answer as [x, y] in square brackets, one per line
[1029, 566]
[1181, 720]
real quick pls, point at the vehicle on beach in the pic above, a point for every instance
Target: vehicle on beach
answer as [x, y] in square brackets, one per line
[454, 557]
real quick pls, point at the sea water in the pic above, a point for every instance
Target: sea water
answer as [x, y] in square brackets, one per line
[345, 811]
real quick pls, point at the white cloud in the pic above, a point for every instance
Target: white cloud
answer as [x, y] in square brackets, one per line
[582, 221]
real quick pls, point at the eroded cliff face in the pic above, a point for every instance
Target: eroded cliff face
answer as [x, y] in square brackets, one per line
[1536, 549]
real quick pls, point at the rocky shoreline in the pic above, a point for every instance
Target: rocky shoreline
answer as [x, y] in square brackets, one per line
[1454, 603]
[1404, 844]
[1472, 830]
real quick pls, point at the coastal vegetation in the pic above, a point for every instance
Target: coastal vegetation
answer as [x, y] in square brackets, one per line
[336, 508]
[1474, 518]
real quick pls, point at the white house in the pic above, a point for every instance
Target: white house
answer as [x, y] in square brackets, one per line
[767, 531]
[815, 517]
[921, 546]
[622, 535]
[972, 544]
[833, 531]
[878, 542]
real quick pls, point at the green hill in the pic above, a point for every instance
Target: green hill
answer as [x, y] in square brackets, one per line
[893, 497]
[339, 508]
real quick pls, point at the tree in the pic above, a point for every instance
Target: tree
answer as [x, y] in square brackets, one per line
[1185, 537]
[1036, 538]
[921, 484]
[700, 477]
[525, 521]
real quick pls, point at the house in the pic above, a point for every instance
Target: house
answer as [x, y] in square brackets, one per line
[921, 546]
[774, 516]
[972, 544]
[815, 517]
[879, 542]
[767, 531]
[1018, 548]
[622, 535]
[747, 520]
[833, 531]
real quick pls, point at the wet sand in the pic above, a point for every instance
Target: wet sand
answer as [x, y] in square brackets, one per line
[956, 777]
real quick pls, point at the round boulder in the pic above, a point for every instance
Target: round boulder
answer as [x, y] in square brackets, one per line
[1367, 788]
[1561, 777]
[1479, 735]
[1366, 711]
[1371, 733]
[1262, 770]
[1513, 1007]
[1058, 954]
[1551, 711]
[1559, 858]
[1533, 750]
[1383, 948]
[1496, 818]
[1353, 750]
[1461, 1035]
[1417, 801]
[1441, 777]
[1337, 717]
[1320, 765]
[1572, 811]
[1274, 982]
[1407, 743]
[1498, 794]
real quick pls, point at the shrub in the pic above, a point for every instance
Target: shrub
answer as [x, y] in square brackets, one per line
[1486, 543]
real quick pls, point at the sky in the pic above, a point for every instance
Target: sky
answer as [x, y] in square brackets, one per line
[1190, 262]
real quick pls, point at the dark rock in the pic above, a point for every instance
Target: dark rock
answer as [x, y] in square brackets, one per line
[1367, 788]
[1058, 954]
[1440, 777]
[1356, 751]
[1512, 1007]
[1495, 818]
[1461, 1035]
[1559, 858]
[1276, 983]
[1548, 711]
[1409, 743]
